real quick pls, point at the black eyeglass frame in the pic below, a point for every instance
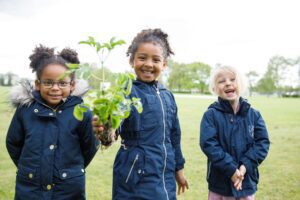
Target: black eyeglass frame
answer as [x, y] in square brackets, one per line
[50, 83]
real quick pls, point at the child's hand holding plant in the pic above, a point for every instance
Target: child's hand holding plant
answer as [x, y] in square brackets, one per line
[110, 105]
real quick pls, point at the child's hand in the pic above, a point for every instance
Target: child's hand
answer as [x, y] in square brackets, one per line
[106, 136]
[237, 179]
[98, 128]
[243, 170]
[237, 174]
[238, 183]
[181, 182]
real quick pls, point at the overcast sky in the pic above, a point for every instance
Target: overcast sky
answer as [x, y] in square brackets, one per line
[241, 33]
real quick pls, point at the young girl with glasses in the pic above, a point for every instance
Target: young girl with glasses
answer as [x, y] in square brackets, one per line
[49, 147]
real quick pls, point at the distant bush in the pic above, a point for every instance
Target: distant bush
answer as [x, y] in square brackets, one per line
[291, 94]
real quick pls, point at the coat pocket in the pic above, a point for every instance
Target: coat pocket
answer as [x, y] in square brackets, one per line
[251, 180]
[28, 174]
[151, 114]
[70, 183]
[217, 178]
[129, 166]
[71, 173]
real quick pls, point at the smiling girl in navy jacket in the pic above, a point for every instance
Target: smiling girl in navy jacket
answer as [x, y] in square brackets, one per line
[50, 148]
[150, 160]
[234, 138]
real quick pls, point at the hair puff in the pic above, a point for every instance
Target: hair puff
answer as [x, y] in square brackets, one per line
[39, 54]
[69, 55]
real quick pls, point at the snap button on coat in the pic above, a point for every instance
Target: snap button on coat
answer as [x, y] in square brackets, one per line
[49, 187]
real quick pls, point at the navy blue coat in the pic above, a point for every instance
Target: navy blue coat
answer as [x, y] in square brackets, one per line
[150, 151]
[51, 150]
[229, 140]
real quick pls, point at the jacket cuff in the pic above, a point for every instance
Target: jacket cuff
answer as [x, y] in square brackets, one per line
[180, 165]
[247, 164]
[230, 170]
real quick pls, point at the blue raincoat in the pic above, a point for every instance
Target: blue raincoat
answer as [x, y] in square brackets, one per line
[50, 148]
[230, 140]
[150, 151]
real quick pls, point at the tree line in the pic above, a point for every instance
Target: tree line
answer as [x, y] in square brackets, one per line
[282, 77]
[8, 79]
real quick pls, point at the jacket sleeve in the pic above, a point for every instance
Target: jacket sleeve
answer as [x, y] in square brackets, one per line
[176, 138]
[15, 137]
[176, 142]
[260, 147]
[88, 141]
[212, 148]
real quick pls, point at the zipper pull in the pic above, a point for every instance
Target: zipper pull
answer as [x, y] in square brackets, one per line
[156, 88]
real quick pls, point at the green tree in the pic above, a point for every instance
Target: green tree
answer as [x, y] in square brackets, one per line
[266, 85]
[252, 76]
[272, 79]
[95, 82]
[297, 63]
[200, 76]
[8, 78]
[185, 77]
[1, 79]
[178, 79]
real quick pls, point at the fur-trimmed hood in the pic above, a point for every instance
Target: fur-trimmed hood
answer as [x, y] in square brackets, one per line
[21, 94]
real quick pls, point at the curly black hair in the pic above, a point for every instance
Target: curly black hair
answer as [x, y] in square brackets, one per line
[150, 35]
[42, 56]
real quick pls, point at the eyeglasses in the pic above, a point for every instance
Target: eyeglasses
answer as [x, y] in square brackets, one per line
[50, 83]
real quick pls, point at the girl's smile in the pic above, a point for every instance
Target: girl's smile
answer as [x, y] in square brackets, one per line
[226, 86]
[51, 88]
[230, 92]
[148, 61]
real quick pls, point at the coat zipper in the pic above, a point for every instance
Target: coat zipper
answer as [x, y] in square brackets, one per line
[164, 140]
[130, 171]
[53, 110]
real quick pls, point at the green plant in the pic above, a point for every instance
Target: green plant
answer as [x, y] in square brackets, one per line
[110, 104]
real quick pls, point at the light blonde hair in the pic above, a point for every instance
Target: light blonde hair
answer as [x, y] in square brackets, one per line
[241, 87]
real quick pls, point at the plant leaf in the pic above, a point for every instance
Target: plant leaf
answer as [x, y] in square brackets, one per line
[73, 65]
[137, 104]
[108, 46]
[131, 76]
[77, 112]
[98, 46]
[129, 86]
[85, 42]
[115, 121]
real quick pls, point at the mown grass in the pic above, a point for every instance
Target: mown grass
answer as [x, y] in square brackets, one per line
[279, 173]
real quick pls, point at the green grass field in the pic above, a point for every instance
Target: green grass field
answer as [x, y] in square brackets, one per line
[279, 173]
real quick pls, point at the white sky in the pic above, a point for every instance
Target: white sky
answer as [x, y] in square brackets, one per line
[241, 33]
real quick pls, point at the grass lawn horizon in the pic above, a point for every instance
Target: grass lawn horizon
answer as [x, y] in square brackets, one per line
[279, 173]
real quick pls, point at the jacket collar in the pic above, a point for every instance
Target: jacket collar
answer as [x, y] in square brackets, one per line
[155, 84]
[224, 106]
